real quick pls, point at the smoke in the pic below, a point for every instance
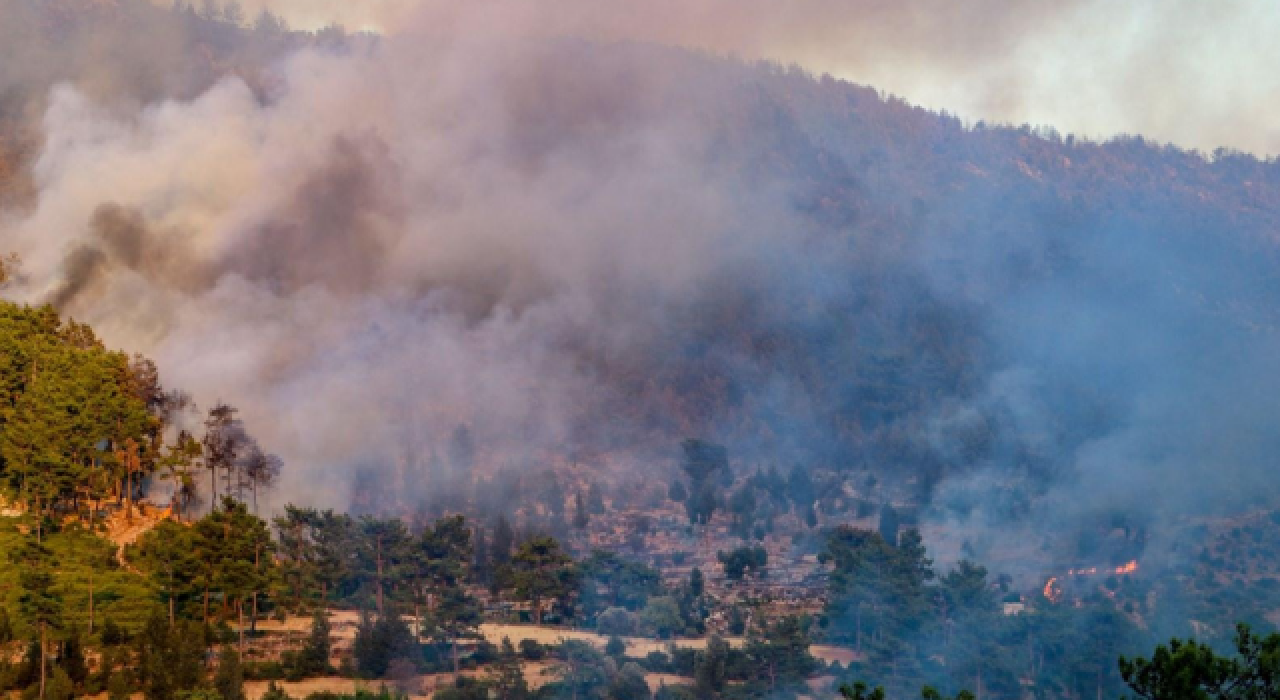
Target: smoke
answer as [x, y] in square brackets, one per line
[1182, 72]
[385, 253]
[570, 240]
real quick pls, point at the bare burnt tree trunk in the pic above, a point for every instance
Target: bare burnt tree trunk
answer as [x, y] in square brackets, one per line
[378, 557]
[43, 662]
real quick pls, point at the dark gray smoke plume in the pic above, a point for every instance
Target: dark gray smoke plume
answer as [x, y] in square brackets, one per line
[573, 245]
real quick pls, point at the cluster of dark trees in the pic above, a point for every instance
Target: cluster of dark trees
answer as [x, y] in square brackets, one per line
[81, 425]
[78, 423]
[326, 558]
[916, 627]
[753, 504]
[1183, 670]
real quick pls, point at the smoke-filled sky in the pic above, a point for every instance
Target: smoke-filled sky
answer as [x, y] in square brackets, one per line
[1198, 74]
[500, 217]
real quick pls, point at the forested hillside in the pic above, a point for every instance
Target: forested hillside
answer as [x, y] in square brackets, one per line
[639, 341]
[81, 424]
[75, 424]
[84, 427]
[844, 281]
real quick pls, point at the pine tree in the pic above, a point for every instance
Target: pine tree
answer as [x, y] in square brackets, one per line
[510, 683]
[73, 659]
[229, 680]
[542, 571]
[595, 499]
[314, 658]
[224, 442]
[580, 517]
[503, 541]
[697, 583]
[481, 565]
[38, 602]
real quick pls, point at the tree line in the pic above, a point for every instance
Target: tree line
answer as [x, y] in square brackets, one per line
[82, 426]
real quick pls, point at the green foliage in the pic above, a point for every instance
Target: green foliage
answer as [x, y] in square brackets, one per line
[743, 560]
[860, 691]
[608, 580]
[583, 672]
[231, 553]
[889, 524]
[629, 684]
[778, 655]
[464, 689]
[711, 668]
[504, 539]
[581, 518]
[70, 407]
[595, 499]
[541, 571]
[531, 650]
[72, 660]
[615, 647]
[380, 642]
[38, 603]
[60, 686]
[169, 660]
[118, 687]
[1186, 670]
[229, 679]
[661, 616]
[119, 595]
[509, 682]
[703, 462]
[383, 693]
[313, 658]
[169, 555]
[697, 583]
[275, 692]
[616, 621]
[319, 554]
[113, 634]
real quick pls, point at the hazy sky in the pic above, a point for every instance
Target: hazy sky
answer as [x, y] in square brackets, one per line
[1200, 74]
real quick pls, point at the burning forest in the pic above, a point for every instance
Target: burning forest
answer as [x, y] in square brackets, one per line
[482, 350]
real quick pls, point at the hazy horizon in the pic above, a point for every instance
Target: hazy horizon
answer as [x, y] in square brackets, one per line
[1192, 74]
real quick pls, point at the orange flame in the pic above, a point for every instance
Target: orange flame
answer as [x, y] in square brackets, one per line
[1053, 591]
[1127, 568]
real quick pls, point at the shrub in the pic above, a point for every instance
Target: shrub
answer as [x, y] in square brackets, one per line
[616, 621]
[531, 650]
[118, 687]
[616, 647]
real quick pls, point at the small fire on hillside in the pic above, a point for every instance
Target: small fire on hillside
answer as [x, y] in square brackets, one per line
[1053, 587]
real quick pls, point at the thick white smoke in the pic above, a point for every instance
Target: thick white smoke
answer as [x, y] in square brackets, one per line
[441, 231]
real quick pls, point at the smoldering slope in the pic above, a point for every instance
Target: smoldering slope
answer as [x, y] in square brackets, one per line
[571, 244]
[1173, 70]
[456, 233]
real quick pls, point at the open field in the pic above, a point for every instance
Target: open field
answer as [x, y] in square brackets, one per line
[536, 674]
[636, 646]
[343, 623]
